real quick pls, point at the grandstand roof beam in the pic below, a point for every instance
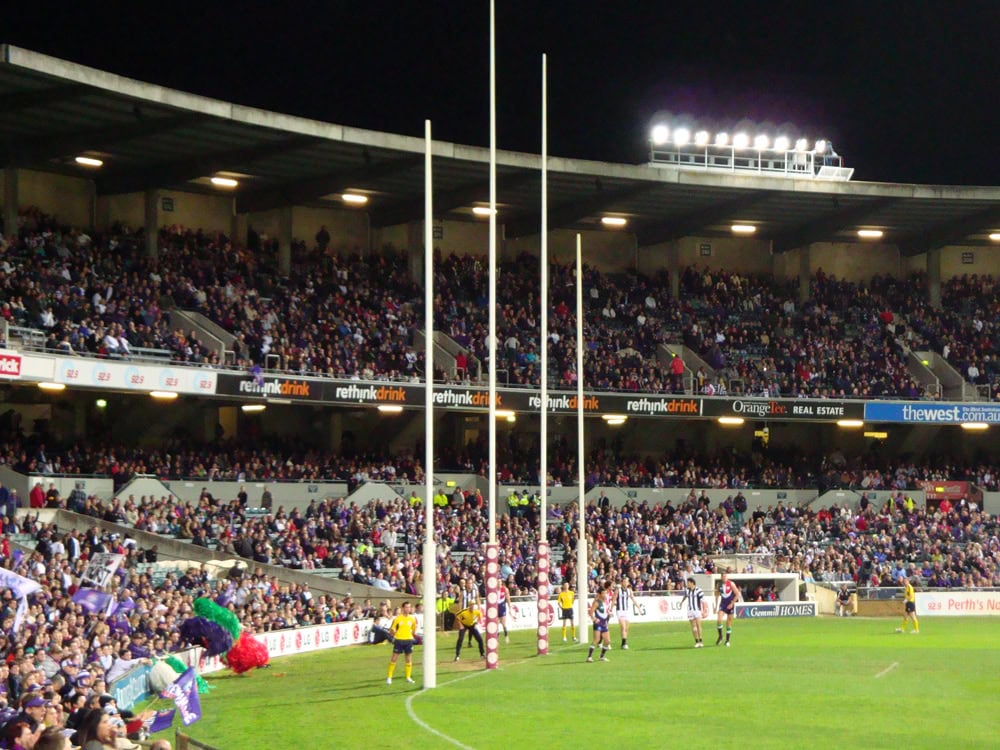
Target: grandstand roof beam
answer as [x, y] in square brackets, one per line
[655, 232]
[43, 148]
[302, 191]
[949, 232]
[828, 225]
[17, 101]
[176, 172]
[447, 200]
[570, 212]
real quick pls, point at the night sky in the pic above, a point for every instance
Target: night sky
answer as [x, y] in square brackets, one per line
[906, 91]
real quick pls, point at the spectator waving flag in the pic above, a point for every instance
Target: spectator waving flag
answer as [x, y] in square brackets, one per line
[184, 692]
[162, 720]
[93, 601]
[21, 587]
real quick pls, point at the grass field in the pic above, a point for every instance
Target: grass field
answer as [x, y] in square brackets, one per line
[785, 683]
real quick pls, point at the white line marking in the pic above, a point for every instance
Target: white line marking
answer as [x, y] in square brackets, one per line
[887, 670]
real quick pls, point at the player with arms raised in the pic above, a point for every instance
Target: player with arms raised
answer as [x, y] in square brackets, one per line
[726, 596]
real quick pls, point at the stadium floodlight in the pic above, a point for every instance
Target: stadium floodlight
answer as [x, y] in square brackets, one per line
[743, 228]
[227, 182]
[682, 136]
[761, 142]
[47, 386]
[782, 143]
[820, 147]
[481, 210]
[89, 161]
[614, 221]
[253, 408]
[163, 395]
[660, 135]
[390, 409]
[870, 234]
[975, 426]
[357, 199]
[850, 423]
[731, 421]
[721, 139]
[741, 140]
[802, 145]
[994, 236]
[701, 138]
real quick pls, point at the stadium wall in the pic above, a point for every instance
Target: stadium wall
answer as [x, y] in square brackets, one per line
[69, 199]
[609, 252]
[348, 229]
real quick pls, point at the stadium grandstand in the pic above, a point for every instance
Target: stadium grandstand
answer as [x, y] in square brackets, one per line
[213, 362]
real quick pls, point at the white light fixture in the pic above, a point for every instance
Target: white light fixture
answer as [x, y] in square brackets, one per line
[163, 395]
[390, 408]
[89, 161]
[253, 408]
[227, 182]
[614, 221]
[975, 426]
[682, 136]
[505, 414]
[782, 143]
[820, 147]
[46, 386]
[356, 198]
[870, 234]
[481, 210]
[731, 421]
[615, 422]
[995, 236]
[660, 135]
[101, 403]
[801, 145]
[613, 417]
[701, 138]
[721, 139]
[850, 423]
[741, 140]
[743, 228]
[761, 142]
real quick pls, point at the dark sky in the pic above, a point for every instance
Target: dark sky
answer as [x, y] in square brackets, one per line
[906, 90]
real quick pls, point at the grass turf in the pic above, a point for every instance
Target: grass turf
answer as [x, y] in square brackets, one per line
[785, 683]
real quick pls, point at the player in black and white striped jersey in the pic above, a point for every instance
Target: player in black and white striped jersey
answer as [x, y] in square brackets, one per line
[624, 604]
[696, 609]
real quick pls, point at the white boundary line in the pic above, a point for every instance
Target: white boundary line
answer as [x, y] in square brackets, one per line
[887, 670]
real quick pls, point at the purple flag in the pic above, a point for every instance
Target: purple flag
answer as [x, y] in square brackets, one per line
[184, 691]
[21, 588]
[163, 720]
[93, 600]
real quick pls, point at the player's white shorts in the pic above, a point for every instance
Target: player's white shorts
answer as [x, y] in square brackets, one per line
[623, 615]
[694, 614]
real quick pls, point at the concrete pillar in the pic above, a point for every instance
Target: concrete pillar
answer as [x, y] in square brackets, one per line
[80, 407]
[239, 229]
[415, 251]
[152, 216]
[674, 268]
[934, 278]
[10, 200]
[285, 240]
[804, 257]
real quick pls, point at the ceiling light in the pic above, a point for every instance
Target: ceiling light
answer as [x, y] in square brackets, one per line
[995, 236]
[701, 138]
[481, 210]
[781, 143]
[975, 426]
[721, 139]
[89, 161]
[163, 395]
[612, 417]
[741, 140]
[660, 135]
[682, 136]
[615, 422]
[228, 182]
[46, 386]
[101, 403]
[731, 421]
[504, 413]
[877, 434]
[870, 234]
[356, 198]
[390, 408]
[850, 423]
[743, 228]
[614, 221]
[253, 408]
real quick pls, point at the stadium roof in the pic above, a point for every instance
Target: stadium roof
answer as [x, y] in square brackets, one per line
[52, 111]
